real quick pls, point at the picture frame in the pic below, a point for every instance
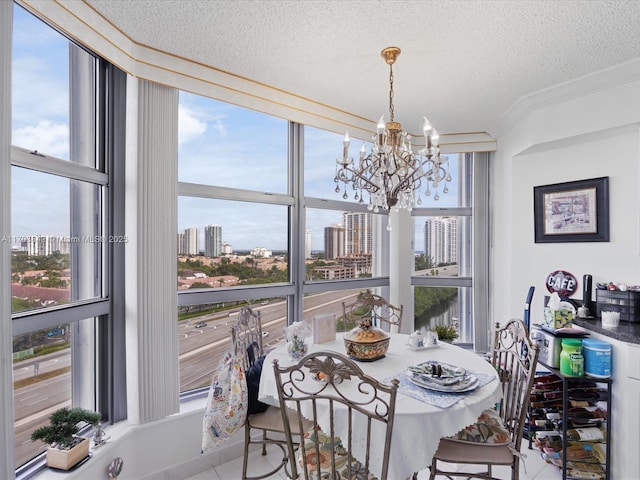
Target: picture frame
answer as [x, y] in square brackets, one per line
[575, 211]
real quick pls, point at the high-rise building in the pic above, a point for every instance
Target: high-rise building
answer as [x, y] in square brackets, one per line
[450, 225]
[441, 239]
[189, 242]
[333, 241]
[307, 243]
[227, 249]
[42, 245]
[358, 234]
[212, 241]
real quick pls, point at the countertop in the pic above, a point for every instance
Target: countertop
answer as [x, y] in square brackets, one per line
[626, 331]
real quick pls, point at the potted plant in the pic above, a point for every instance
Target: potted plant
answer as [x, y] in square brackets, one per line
[66, 449]
[446, 333]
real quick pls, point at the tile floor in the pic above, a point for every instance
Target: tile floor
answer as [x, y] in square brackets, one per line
[536, 468]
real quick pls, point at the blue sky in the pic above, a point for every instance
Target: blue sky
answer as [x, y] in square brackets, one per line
[219, 144]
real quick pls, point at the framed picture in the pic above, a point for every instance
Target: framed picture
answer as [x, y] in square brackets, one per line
[572, 211]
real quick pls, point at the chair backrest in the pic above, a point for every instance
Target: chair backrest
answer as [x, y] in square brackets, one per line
[515, 358]
[352, 413]
[374, 308]
[246, 336]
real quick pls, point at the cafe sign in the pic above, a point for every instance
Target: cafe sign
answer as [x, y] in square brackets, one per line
[562, 282]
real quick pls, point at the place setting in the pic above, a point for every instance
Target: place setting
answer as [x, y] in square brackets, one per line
[442, 377]
[438, 383]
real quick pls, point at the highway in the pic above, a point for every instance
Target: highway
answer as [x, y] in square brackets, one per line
[199, 351]
[201, 347]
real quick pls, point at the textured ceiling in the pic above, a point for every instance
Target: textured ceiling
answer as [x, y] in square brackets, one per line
[463, 63]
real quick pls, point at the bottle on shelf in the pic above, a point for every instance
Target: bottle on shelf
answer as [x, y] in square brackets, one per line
[586, 434]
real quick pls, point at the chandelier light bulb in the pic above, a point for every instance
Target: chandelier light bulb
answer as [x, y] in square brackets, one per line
[345, 148]
[426, 127]
[435, 138]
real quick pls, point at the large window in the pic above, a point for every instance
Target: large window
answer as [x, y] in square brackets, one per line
[234, 236]
[62, 240]
[344, 239]
[444, 268]
[259, 219]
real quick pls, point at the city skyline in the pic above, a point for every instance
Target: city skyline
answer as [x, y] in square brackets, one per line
[356, 237]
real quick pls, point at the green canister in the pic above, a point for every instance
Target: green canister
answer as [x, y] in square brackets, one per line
[571, 359]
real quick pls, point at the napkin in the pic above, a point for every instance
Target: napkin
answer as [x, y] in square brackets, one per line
[438, 372]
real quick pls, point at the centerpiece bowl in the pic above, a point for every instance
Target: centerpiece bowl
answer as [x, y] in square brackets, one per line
[366, 342]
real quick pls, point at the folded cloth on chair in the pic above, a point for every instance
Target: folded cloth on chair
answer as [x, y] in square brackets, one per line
[253, 375]
[488, 429]
[226, 408]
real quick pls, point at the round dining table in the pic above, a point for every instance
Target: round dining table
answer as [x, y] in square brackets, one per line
[422, 416]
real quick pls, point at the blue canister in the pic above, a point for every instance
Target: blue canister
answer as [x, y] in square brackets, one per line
[597, 358]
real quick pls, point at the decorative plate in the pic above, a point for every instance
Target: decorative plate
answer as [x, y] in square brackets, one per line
[466, 384]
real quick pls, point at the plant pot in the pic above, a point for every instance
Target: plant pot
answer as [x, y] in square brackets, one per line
[67, 459]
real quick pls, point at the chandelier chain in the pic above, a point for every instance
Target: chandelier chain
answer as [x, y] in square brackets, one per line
[391, 108]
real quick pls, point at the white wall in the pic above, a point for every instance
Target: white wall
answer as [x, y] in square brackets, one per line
[586, 129]
[167, 449]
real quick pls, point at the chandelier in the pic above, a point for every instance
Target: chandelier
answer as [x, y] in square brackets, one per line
[392, 172]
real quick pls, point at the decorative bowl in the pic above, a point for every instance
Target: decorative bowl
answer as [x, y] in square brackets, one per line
[366, 343]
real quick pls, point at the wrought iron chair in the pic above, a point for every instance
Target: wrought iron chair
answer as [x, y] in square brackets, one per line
[246, 336]
[372, 307]
[247, 343]
[496, 438]
[332, 390]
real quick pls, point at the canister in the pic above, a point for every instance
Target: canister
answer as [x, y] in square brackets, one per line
[597, 358]
[571, 359]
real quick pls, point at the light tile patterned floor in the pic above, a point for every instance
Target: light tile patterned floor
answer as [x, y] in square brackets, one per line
[533, 468]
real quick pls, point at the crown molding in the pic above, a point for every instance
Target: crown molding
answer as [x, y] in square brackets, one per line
[582, 86]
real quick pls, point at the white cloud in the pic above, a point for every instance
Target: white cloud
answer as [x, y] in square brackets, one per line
[46, 137]
[190, 126]
[219, 126]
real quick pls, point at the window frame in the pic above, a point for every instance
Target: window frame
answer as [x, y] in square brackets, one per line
[474, 172]
[105, 372]
[298, 204]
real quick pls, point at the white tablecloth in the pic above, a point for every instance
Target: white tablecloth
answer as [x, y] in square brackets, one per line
[418, 425]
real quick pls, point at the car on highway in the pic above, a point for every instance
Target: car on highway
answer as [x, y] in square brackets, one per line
[200, 324]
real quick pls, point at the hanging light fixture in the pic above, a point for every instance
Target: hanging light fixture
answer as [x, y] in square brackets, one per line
[392, 172]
